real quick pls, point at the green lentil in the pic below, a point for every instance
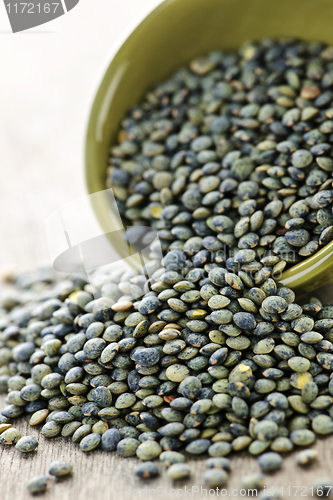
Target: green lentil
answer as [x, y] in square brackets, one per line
[303, 437]
[306, 457]
[265, 430]
[258, 447]
[253, 481]
[177, 372]
[270, 462]
[322, 424]
[148, 450]
[81, 432]
[178, 471]
[38, 484]
[171, 457]
[146, 470]
[69, 429]
[322, 486]
[299, 364]
[241, 442]
[60, 468]
[90, 442]
[297, 404]
[219, 449]
[4, 427]
[127, 447]
[209, 353]
[215, 477]
[38, 417]
[10, 436]
[26, 444]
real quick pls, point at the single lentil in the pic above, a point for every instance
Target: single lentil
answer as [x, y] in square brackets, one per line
[178, 471]
[26, 444]
[146, 470]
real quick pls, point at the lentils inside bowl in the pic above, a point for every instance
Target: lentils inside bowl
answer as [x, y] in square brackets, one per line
[234, 153]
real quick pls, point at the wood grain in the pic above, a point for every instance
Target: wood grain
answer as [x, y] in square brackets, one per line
[100, 475]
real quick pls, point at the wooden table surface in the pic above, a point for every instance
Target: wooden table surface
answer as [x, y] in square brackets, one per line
[46, 84]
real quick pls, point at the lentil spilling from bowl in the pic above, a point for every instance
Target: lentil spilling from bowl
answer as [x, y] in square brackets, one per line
[230, 161]
[191, 377]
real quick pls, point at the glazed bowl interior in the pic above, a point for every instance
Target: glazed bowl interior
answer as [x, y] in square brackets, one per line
[168, 36]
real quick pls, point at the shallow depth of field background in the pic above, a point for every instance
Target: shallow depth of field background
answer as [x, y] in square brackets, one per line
[48, 77]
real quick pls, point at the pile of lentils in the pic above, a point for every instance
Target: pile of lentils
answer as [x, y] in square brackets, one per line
[184, 367]
[234, 152]
[231, 162]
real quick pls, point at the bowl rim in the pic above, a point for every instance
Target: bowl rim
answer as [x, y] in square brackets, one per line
[295, 276]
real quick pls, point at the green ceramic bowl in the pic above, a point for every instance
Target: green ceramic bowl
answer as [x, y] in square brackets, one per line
[168, 35]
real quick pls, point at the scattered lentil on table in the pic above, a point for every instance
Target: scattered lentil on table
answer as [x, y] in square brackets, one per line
[230, 162]
[60, 468]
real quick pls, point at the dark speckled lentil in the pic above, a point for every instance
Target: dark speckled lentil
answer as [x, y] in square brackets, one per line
[190, 387]
[127, 447]
[10, 436]
[270, 462]
[253, 481]
[198, 446]
[60, 468]
[171, 457]
[26, 444]
[90, 442]
[215, 477]
[148, 450]
[110, 439]
[274, 305]
[306, 457]
[245, 321]
[146, 470]
[81, 432]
